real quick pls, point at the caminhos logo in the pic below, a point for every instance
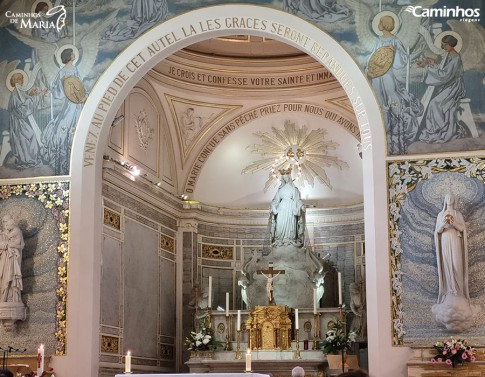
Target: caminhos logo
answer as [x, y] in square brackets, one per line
[465, 14]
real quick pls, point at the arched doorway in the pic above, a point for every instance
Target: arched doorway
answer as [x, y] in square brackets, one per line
[114, 86]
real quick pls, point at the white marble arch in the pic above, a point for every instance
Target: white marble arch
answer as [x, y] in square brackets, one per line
[86, 167]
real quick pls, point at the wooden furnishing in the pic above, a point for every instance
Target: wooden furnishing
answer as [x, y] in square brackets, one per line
[21, 365]
[419, 365]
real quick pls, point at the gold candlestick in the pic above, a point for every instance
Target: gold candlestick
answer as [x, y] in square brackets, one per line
[342, 312]
[297, 340]
[228, 346]
[209, 317]
[238, 345]
[316, 330]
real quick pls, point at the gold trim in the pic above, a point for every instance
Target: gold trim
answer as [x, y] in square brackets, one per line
[217, 252]
[112, 219]
[167, 243]
[110, 344]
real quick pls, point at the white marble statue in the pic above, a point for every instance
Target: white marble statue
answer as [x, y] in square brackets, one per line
[453, 309]
[11, 246]
[243, 282]
[358, 309]
[287, 214]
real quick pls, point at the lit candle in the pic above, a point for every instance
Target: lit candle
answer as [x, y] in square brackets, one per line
[314, 301]
[227, 304]
[248, 361]
[128, 362]
[40, 360]
[238, 320]
[339, 276]
[209, 300]
[297, 327]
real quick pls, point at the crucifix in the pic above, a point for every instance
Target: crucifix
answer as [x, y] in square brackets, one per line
[270, 275]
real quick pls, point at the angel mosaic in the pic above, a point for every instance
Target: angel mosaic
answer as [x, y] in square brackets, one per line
[416, 112]
[144, 14]
[319, 11]
[446, 81]
[24, 132]
[387, 69]
[54, 72]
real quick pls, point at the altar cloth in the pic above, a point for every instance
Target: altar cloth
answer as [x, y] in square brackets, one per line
[194, 375]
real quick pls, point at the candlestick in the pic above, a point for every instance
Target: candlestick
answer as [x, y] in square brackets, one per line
[128, 362]
[339, 277]
[297, 326]
[248, 361]
[227, 304]
[40, 360]
[297, 341]
[238, 345]
[209, 317]
[228, 346]
[316, 330]
[209, 299]
[238, 320]
[314, 301]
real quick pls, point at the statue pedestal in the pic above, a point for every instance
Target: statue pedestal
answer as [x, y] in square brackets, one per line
[11, 312]
[294, 287]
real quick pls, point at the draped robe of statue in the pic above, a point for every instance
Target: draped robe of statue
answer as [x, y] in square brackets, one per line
[287, 213]
[11, 246]
[451, 251]
[453, 309]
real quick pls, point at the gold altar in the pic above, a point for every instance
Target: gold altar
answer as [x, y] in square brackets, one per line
[269, 328]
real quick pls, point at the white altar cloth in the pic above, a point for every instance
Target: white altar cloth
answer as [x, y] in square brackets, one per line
[194, 375]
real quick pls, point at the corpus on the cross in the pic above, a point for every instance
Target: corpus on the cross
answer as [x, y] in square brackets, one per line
[270, 274]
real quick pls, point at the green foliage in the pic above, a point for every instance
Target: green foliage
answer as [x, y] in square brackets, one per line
[337, 338]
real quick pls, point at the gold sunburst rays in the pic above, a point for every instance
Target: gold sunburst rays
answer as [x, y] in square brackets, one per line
[292, 147]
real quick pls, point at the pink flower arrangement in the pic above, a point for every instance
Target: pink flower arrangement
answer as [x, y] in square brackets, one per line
[454, 351]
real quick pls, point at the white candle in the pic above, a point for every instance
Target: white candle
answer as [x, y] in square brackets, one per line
[238, 320]
[209, 300]
[40, 360]
[339, 276]
[128, 362]
[227, 304]
[314, 301]
[297, 327]
[248, 361]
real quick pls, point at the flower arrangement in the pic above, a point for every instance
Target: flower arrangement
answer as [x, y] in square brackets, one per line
[337, 339]
[202, 341]
[454, 351]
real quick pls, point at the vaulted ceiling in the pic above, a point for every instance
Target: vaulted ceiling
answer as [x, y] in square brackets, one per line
[227, 101]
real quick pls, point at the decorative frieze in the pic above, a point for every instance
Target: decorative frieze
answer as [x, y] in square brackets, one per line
[217, 252]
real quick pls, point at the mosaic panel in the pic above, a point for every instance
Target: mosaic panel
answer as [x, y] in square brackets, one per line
[110, 344]
[217, 252]
[416, 195]
[112, 219]
[54, 197]
[167, 243]
[166, 352]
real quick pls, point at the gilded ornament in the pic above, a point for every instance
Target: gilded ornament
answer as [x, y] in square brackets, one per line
[380, 62]
[74, 89]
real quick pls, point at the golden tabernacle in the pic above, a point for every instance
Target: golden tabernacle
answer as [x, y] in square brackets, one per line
[269, 328]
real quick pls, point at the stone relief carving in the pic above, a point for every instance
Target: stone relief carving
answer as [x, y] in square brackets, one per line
[143, 129]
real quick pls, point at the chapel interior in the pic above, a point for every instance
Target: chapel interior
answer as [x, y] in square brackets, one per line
[162, 222]
[224, 217]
